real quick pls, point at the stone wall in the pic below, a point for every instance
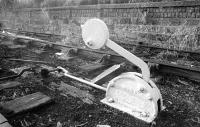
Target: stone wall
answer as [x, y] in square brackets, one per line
[168, 23]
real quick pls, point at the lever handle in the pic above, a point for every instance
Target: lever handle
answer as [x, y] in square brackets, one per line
[95, 35]
[130, 57]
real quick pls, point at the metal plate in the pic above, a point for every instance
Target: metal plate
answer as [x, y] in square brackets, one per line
[131, 94]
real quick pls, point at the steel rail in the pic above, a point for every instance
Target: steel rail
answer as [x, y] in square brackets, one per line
[189, 72]
[125, 45]
[156, 47]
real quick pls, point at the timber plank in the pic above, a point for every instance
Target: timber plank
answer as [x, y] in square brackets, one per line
[193, 75]
[91, 68]
[10, 84]
[26, 103]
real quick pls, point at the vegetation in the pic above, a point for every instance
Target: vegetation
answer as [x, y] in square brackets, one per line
[11, 4]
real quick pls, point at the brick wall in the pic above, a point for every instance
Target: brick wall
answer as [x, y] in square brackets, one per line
[169, 23]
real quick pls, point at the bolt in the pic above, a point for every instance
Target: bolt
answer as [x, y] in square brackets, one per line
[142, 90]
[111, 100]
[112, 84]
[144, 114]
[89, 43]
[150, 98]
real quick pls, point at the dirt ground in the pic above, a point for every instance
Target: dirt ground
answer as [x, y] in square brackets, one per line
[181, 96]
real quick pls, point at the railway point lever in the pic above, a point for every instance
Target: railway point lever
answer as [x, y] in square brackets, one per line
[130, 92]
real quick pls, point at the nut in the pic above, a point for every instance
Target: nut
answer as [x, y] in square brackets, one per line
[142, 90]
[89, 43]
[111, 100]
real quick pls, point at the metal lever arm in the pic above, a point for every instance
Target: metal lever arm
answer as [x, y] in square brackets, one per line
[95, 34]
[130, 57]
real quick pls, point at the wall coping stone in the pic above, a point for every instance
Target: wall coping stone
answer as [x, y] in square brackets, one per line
[126, 5]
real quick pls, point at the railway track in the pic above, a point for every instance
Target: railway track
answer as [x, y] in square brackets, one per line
[163, 66]
[142, 44]
[45, 36]
[128, 46]
[52, 111]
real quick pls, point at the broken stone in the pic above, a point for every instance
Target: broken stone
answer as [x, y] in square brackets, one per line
[59, 124]
[53, 86]
[64, 54]
[81, 85]
[59, 53]
[183, 82]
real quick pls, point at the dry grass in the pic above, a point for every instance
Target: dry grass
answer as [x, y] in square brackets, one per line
[166, 55]
[184, 38]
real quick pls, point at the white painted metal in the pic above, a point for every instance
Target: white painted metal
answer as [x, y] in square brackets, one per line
[130, 92]
[95, 35]
[132, 58]
[66, 73]
[106, 73]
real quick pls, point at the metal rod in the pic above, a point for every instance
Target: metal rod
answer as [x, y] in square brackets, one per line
[82, 80]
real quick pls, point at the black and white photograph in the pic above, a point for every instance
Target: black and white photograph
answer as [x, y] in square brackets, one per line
[99, 63]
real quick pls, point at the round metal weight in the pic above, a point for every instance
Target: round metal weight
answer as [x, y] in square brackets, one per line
[95, 33]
